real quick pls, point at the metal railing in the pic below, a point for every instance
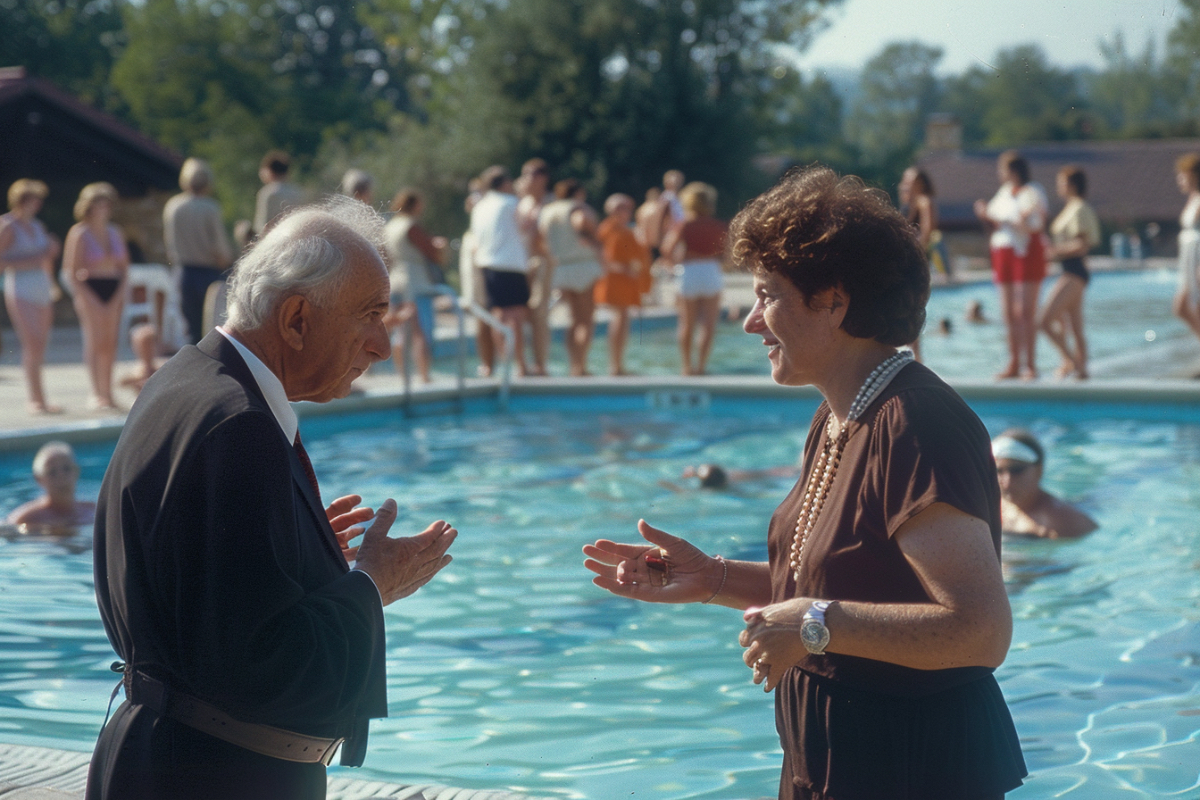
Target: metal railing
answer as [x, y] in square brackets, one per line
[461, 309]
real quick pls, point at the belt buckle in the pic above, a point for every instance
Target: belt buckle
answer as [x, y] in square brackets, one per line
[327, 759]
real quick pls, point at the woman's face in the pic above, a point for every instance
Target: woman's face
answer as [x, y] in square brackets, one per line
[1186, 181]
[1062, 186]
[100, 210]
[30, 205]
[1003, 173]
[1019, 480]
[799, 339]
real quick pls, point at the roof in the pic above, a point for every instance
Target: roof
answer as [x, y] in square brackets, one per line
[50, 135]
[1128, 181]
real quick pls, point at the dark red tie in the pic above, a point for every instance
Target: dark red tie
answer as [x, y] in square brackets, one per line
[307, 464]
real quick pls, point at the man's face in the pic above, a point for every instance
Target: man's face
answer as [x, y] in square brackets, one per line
[59, 474]
[345, 337]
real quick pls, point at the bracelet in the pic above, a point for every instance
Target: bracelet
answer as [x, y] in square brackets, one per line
[724, 575]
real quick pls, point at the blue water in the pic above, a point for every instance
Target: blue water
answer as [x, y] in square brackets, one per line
[510, 670]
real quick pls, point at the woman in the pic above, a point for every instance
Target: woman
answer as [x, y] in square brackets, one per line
[626, 277]
[568, 228]
[916, 194]
[697, 248]
[1016, 216]
[96, 261]
[1074, 232]
[1186, 305]
[415, 258]
[881, 612]
[196, 242]
[27, 256]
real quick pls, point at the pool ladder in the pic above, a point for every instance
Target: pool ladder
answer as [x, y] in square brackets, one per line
[461, 308]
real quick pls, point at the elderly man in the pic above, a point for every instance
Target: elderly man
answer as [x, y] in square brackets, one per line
[251, 649]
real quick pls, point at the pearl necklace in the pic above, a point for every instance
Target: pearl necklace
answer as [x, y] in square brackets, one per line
[816, 490]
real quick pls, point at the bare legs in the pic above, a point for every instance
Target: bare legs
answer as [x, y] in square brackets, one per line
[579, 334]
[1018, 308]
[514, 318]
[32, 324]
[1063, 317]
[1187, 309]
[697, 312]
[618, 336]
[100, 323]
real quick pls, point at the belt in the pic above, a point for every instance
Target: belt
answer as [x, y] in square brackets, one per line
[265, 740]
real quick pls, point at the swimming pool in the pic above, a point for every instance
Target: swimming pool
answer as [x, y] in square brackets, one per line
[512, 670]
[1127, 315]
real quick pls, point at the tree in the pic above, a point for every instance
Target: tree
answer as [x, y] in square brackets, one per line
[70, 42]
[618, 91]
[898, 91]
[1135, 96]
[1022, 98]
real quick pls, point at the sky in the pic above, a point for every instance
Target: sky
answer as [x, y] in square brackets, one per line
[972, 31]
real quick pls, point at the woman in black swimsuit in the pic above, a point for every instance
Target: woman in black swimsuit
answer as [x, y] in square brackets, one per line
[96, 261]
[1075, 231]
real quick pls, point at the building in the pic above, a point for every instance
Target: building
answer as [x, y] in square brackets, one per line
[53, 137]
[1131, 184]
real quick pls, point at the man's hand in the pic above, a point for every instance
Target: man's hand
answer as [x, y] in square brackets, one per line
[401, 566]
[346, 521]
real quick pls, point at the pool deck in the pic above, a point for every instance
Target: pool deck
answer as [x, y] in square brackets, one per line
[40, 773]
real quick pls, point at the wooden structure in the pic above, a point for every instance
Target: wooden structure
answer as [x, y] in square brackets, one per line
[52, 136]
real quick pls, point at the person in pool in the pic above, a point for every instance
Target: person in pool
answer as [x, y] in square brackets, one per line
[1025, 507]
[57, 472]
[881, 613]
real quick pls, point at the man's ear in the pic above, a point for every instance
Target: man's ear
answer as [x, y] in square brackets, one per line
[293, 320]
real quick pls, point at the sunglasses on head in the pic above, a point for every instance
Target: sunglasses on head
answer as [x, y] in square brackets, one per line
[1013, 469]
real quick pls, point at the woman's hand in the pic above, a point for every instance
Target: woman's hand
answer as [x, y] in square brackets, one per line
[772, 640]
[346, 521]
[670, 571]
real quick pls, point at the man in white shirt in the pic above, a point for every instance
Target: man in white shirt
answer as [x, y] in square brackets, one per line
[501, 254]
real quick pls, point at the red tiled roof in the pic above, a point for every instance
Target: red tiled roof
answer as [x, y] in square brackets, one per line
[1129, 182]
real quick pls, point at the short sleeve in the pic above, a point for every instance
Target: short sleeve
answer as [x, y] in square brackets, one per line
[928, 449]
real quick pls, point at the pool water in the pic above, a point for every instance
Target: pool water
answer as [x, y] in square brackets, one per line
[511, 670]
[1127, 317]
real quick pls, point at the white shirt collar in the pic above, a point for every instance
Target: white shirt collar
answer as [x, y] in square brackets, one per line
[271, 387]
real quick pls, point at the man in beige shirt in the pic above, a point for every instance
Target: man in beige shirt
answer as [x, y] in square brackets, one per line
[276, 195]
[196, 242]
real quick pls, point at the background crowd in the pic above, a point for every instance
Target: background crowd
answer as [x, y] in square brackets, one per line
[532, 242]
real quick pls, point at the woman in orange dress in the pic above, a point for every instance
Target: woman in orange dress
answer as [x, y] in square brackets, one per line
[626, 274]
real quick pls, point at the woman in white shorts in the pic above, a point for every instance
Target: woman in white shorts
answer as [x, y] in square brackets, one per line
[697, 247]
[568, 226]
[27, 256]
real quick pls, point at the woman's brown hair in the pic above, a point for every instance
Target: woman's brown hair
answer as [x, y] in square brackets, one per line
[820, 230]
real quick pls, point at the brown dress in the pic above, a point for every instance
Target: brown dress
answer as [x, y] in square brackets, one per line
[855, 728]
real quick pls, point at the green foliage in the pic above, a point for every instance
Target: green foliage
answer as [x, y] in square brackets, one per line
[1021, 98]
[898, 90]
[70, 42]
[426, 93]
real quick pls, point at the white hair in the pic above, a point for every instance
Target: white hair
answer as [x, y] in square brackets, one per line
[303, 253]
[195, 176]
[48, 451]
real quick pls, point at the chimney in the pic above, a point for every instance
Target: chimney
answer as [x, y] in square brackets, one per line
[943, 133]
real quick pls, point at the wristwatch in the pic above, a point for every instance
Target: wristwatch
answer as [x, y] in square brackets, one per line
[813, 632]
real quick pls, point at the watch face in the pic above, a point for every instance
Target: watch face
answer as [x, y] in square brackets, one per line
[815, 636]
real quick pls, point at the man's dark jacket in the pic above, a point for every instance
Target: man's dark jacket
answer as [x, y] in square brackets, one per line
[217, 571]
